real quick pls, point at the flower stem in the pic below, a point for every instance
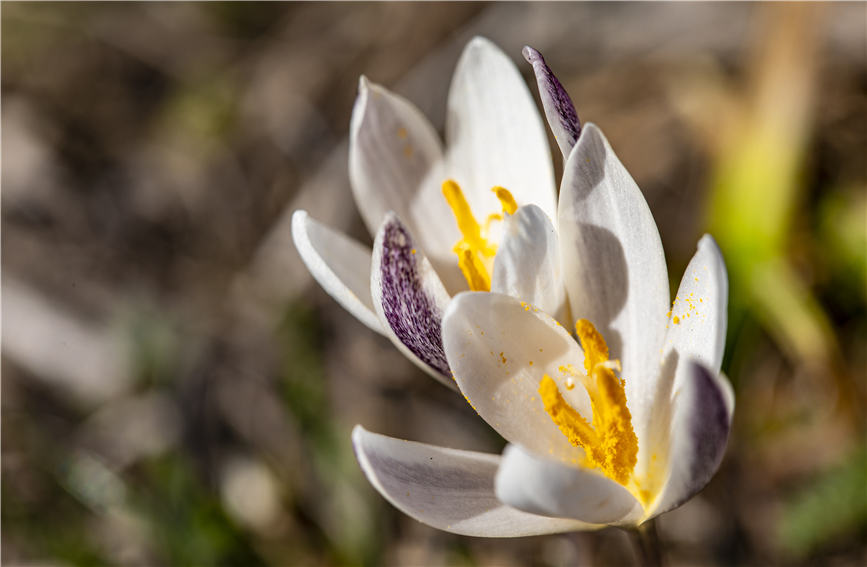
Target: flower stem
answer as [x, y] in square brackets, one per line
[645, 541]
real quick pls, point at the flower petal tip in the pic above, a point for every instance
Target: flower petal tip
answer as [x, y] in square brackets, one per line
[531, 55]
[298, 218]
[480, 41]
[708, 240]
[357, 433]
[559, 109]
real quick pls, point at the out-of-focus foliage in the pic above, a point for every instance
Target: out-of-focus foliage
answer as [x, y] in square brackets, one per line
[827, 510]
[176, 391]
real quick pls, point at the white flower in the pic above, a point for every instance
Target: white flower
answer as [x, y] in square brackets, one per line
[629, 426]
[495, 178]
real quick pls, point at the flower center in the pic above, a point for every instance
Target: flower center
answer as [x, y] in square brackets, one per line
[610, 442]
[475, 250]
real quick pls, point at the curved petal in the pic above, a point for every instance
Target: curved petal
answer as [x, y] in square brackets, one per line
[613, 264]
[701, 420]
[448, 489]
[541, 486]
[696, 330]
[527, 265]
[396, 164]
[697, 325]
[559, 109]
[409, 298]
[499, 349]
[340, 265]
[494, 133]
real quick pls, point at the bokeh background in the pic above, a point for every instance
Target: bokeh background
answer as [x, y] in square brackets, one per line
[176, 390]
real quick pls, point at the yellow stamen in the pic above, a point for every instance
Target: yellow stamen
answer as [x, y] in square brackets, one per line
[506, 200]
[475, 253]
[470, 229]
[595, 348]
[571, 423]
[474, 271]
[610, 443]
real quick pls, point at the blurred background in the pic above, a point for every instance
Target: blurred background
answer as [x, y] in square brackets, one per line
[177, 390]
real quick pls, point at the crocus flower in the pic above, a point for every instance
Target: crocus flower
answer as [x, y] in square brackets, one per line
[614, 425]
[473, 215]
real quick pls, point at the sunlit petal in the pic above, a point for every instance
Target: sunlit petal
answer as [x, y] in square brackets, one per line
[445, 488]
[395, 164]
[499, 350]
[340, 265]
[542, 486]
[613, 264]
[697, 324]
[494, 133]
[527, 265]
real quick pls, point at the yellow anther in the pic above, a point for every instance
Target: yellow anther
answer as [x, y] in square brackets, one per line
[506, 200]
[475, 253]
[595, 348]
[491, 218]
[470, 229]
[611, 443]
[571, 423]
[474, 271]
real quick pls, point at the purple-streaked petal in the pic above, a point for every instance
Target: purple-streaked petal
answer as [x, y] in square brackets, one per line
[614, 266]
[409, 298]
[499, 349]
[537, 485]
[447, 489]
[494, 133]
[396, 164]
[340, 265]
[559, 109]
[699, 431]
[527, 265]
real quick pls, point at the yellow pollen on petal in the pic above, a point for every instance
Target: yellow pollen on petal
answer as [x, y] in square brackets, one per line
[610, 442]
[475, 252]
[506, 199]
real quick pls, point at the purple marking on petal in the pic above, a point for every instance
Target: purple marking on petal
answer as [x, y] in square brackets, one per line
[710, 426]
[559, 110]
[411, 312]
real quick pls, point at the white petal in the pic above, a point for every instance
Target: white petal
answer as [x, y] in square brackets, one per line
[696, 330]
[340, 265]
[559, 110]
[499, 349]
[527, 265]
[700, 424]
[613, 264]
[409, 298]
[445, 488]
[494, 133]
[396, 164]
[700, 308]
[728, 393]
[541, 486]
